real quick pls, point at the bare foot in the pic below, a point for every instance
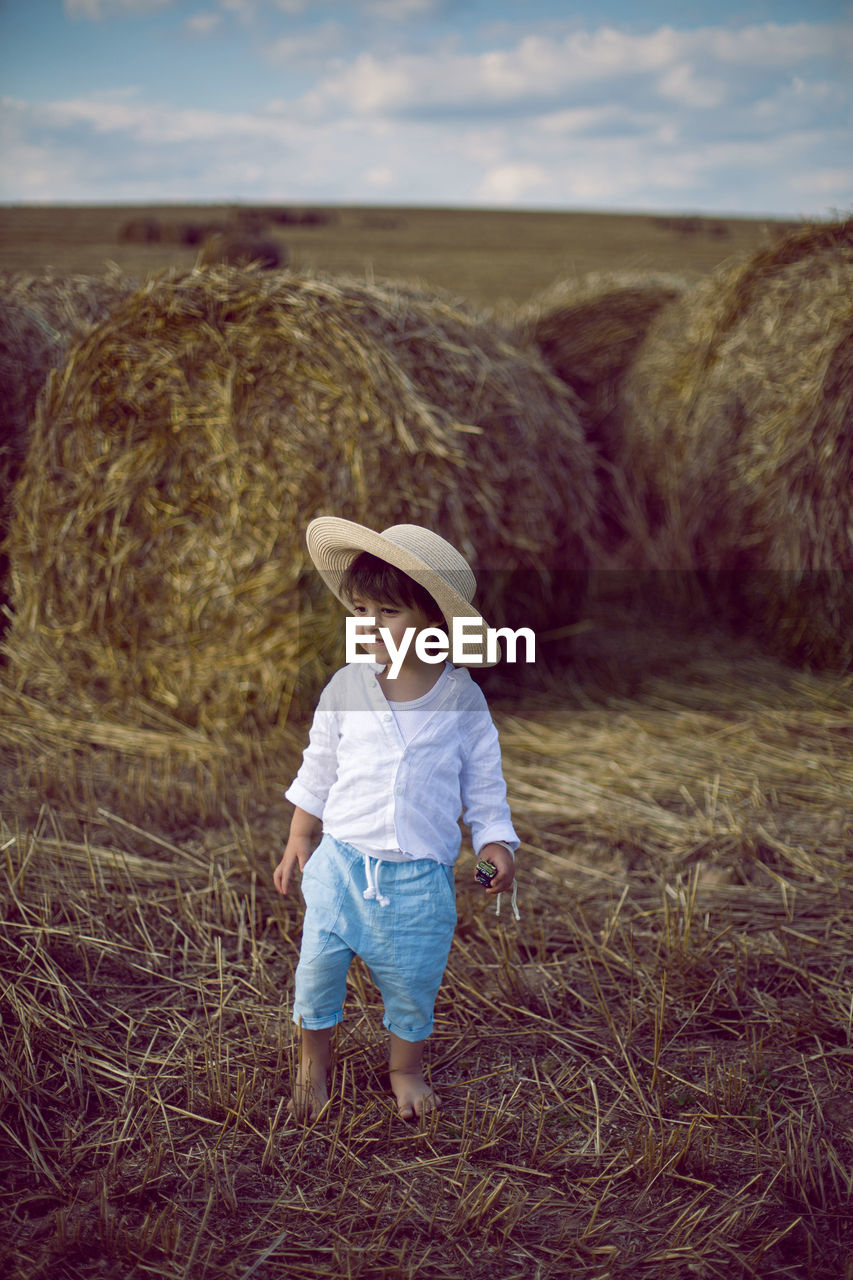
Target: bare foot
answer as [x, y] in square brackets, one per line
[415, 1097]
[309, 1098]
[311, 1087]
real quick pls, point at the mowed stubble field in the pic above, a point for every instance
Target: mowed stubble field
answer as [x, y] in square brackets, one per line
[648, 1077]
[486, 257]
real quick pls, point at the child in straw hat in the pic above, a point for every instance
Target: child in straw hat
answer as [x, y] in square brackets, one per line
[391, 765]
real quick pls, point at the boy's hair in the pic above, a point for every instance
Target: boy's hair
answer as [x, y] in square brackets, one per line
[376, 579]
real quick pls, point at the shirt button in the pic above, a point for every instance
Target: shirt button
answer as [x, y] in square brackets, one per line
[387, 718]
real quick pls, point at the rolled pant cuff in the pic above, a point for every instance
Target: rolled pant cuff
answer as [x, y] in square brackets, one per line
[318, 1024]
[405, 1033]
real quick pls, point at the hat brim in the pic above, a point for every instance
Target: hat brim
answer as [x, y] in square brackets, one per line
[333, 544]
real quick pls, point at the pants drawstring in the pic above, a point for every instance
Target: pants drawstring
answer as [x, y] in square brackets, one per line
[513, 902]
[371, 873]
[513, 899]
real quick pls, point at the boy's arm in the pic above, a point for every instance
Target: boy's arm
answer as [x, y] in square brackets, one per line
[485, 804]
[308, 791]
[305, 832]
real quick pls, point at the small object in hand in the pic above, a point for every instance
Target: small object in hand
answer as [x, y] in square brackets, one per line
[486, 872]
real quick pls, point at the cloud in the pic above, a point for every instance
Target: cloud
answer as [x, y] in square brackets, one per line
[203, 24]
[682, 85]
[244, 9]
[510, 184]
[587, 120]
[157, 124]
[825, 182]
[404, 10]
[379, 177]
[120, 147]
[775, 46]
[313, 45]
[396, 11]
[699, 69]
[796, 99]
[97, 10]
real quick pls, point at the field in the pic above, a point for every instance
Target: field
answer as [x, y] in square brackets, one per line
[647, 1077]
[487, 258]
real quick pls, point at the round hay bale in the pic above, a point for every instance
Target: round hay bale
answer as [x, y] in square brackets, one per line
[140, 231]
[587, 330]
[67, 306]
[158, 564]
[521, 434]
[29, 346]
[237, 249]
[737, 413]
[250, 221]
[40, 316]
[194, 234]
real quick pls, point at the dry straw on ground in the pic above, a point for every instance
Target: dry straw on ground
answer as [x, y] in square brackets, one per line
[157, 538]
[736, 419]
[647, 1078]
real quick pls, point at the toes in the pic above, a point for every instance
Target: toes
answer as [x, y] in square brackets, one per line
[418, 1108]
[304, 1109]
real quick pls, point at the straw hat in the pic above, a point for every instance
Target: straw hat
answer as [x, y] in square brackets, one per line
[426, 557]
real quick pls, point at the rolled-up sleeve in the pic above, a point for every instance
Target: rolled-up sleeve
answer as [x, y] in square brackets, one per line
[485, 807]
[318, 771]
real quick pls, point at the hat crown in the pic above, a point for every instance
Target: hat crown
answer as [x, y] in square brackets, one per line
[432, 561]
[437, 553]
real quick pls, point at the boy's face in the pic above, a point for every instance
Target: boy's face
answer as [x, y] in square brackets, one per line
[396, 618]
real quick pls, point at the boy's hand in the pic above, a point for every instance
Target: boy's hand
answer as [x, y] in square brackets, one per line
[505, 863]
[297, 852]
[305, 831]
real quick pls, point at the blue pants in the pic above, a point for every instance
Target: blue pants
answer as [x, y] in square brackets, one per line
[404, 943]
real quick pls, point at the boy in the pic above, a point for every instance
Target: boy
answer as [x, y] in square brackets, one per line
[390, 766]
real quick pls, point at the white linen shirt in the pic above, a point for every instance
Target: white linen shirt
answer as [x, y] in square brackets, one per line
[385, 796]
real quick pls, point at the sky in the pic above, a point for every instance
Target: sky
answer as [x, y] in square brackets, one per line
[718, 106]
